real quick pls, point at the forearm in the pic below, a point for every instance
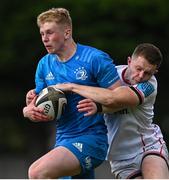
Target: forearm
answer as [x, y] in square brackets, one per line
[99, 95]
[111, 100]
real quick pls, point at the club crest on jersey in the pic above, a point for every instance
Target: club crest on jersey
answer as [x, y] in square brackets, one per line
[81, 73]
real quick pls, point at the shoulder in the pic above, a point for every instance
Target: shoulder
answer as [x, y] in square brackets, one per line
[121, 71]
[46, 58]
[92, 50]
[121, 68]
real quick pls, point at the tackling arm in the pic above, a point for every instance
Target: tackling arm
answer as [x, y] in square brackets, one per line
[121, 98]
[112, 100]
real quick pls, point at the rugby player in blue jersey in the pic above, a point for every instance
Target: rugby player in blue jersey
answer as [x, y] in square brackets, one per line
[81, 141]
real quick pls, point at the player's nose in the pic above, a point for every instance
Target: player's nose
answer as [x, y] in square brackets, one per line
[141, 74]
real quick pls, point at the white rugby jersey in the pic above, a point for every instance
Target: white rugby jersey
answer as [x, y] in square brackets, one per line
[131, 131]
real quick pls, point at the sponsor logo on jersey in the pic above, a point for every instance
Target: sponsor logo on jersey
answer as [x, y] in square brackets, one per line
[81, 73]
[50, 76]
[147, 88]
[78, 145]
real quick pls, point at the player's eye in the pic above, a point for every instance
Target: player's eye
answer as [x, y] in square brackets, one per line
[138, 69]
[41, 33]
[149, 73]
[50, 32]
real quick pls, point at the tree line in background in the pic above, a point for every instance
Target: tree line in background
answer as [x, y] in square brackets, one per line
[115, 26]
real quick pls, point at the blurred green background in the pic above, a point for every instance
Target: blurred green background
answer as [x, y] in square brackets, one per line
[115, 26]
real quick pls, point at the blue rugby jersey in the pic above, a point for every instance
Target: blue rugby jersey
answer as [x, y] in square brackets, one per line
[88, 66]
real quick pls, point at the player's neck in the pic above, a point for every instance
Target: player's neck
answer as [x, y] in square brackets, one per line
[68, 51]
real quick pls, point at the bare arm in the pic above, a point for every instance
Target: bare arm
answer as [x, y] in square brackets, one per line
[97, 94]
[121, 98]
[112, 100]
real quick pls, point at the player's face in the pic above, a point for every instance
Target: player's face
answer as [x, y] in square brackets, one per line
[53, 37]
[140, 70]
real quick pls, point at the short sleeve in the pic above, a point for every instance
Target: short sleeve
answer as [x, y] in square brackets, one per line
[105, 70]
[39, 79]
[145, 90]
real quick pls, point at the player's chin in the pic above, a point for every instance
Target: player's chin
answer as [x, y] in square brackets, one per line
[135, 81]
[50, 50]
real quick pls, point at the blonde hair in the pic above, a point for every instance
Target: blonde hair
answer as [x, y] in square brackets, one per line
[58, 15]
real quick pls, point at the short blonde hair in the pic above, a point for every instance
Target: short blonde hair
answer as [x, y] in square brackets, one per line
[58, 15]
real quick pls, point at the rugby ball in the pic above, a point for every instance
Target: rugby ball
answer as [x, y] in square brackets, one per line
[53, 101]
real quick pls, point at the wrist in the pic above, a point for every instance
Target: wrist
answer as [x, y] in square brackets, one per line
[73, 87]
[99, 107]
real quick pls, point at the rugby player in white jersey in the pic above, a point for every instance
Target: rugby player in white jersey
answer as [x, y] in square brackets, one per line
[136, 145]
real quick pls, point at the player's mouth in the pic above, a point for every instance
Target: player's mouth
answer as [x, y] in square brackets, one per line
[137, 80]
[49, 48]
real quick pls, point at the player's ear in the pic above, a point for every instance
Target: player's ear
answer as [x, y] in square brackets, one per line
[67, 33]
[128, 60]
[156, 71]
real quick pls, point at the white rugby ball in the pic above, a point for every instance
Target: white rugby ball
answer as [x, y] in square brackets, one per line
[53, 101]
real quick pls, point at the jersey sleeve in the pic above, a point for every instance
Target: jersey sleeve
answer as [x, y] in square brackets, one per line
[105, 71]
[39, 79]
[144, 90]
